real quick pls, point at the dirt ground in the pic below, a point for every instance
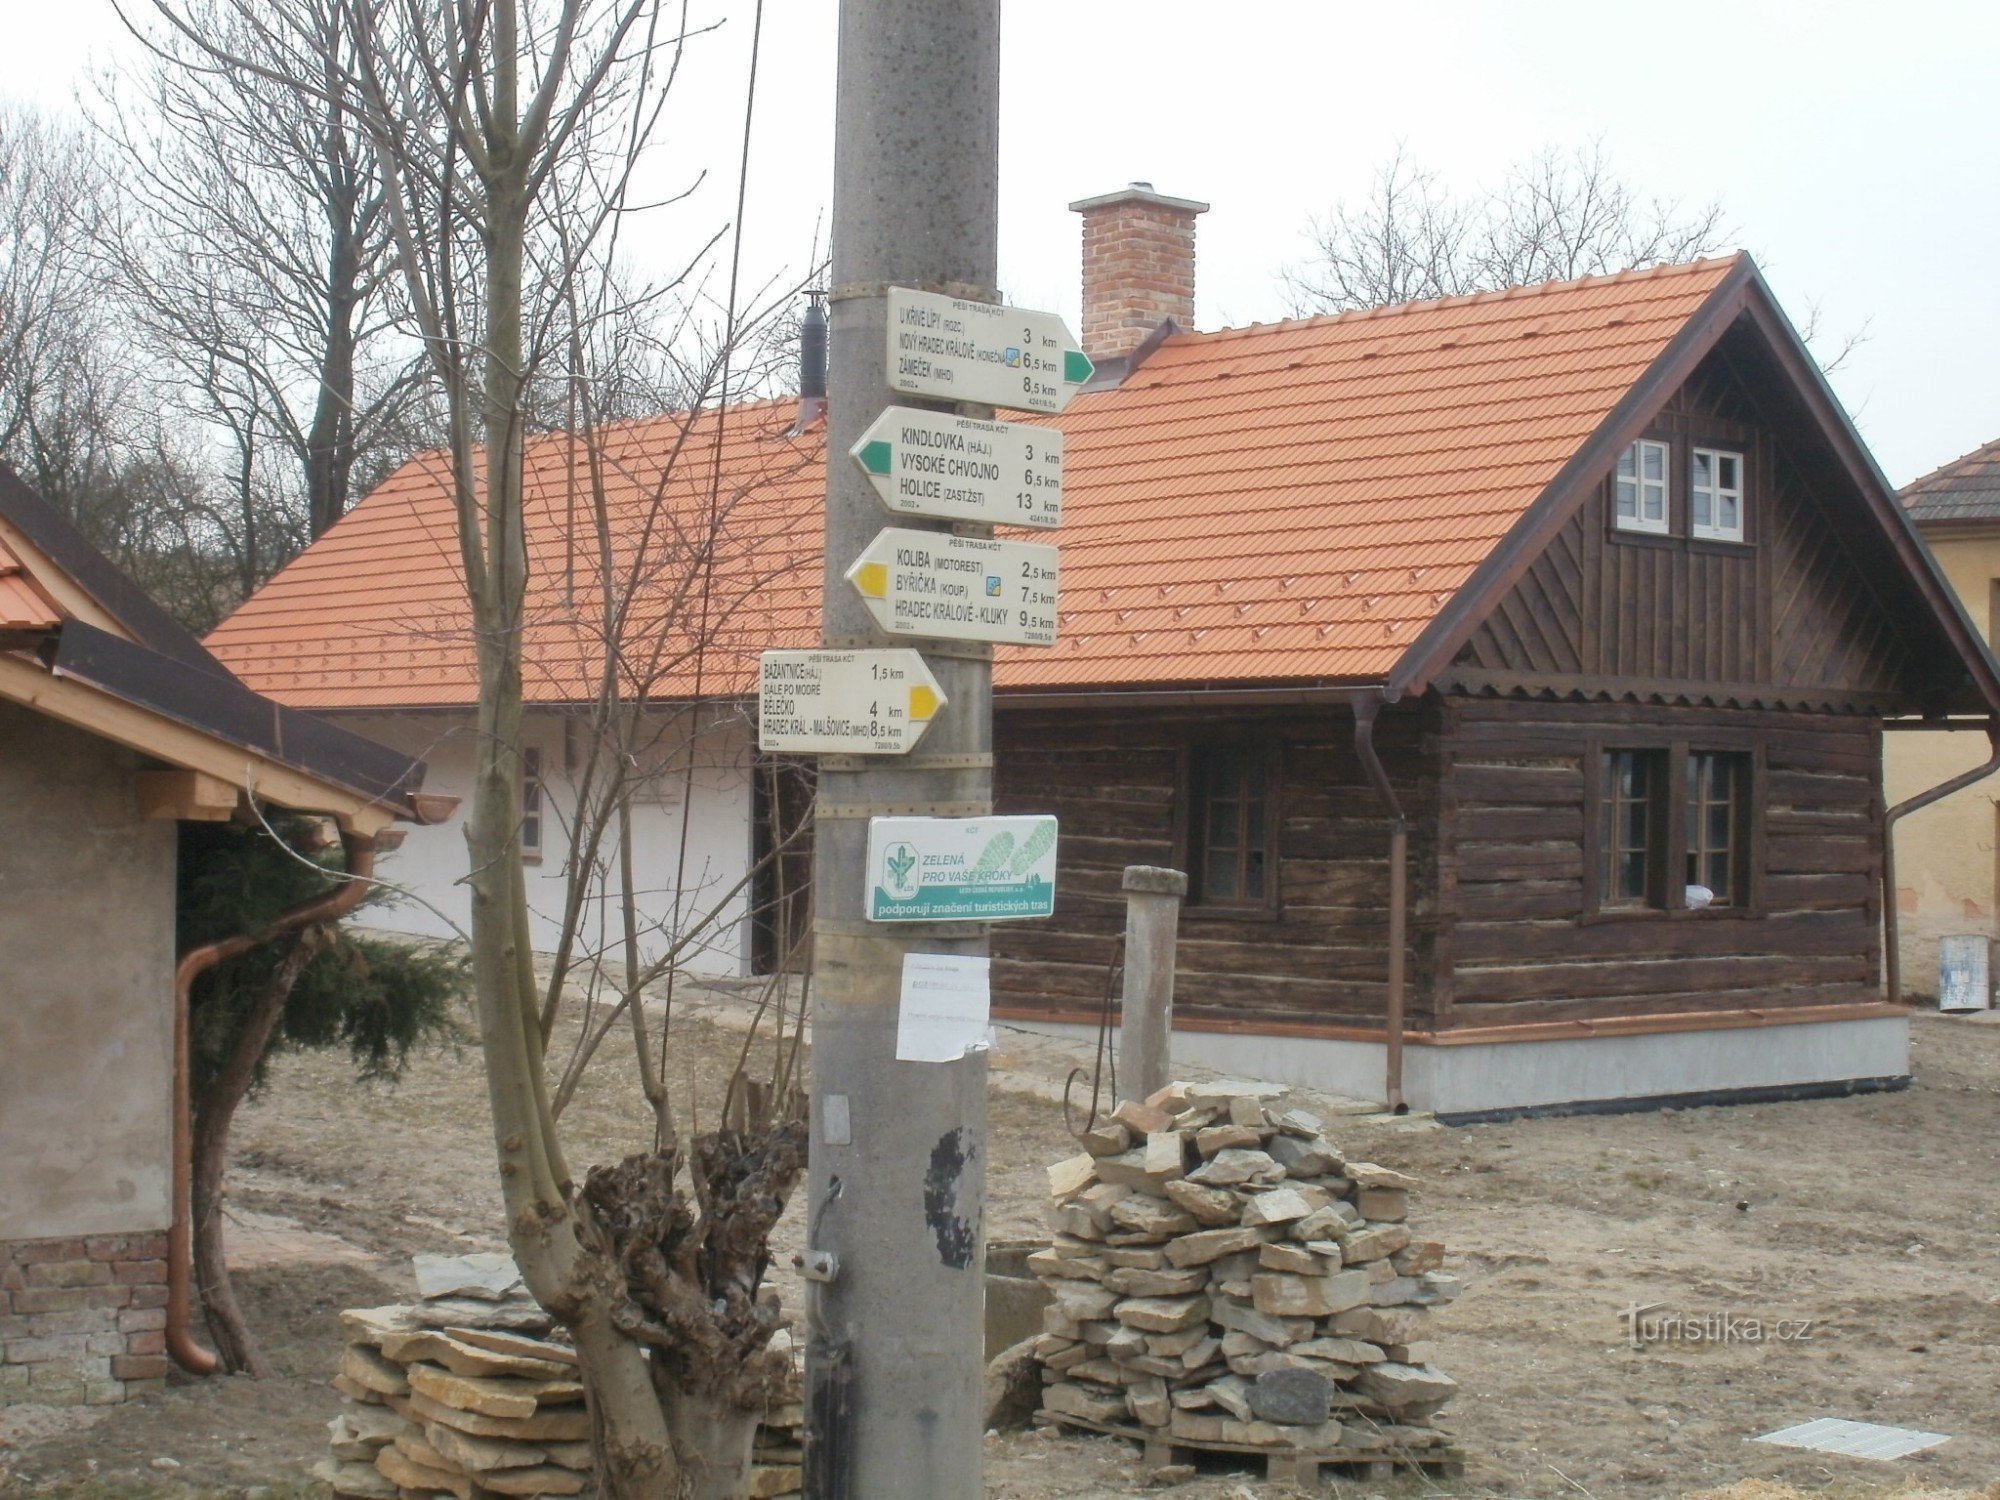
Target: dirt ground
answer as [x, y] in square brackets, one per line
[1871, 1219]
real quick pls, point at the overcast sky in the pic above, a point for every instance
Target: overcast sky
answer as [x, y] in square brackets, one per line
[1853, 147]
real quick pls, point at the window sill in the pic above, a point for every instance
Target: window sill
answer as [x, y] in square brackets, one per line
[530, 859]
[1231, 913]
[1722, 546]
[1677, 914]
[1662, 539]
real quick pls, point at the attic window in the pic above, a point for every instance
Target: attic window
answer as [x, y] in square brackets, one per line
[1639, 488]
[1715, 495]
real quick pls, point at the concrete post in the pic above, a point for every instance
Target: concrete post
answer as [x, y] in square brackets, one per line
[896, 1185]
[1146, 1028]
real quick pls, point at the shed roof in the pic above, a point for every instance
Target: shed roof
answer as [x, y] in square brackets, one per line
[1966, 489]
[1290, 503]
[81, 643]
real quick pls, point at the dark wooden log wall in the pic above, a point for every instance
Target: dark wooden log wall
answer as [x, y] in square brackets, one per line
[1511, 878]
[1113, 779]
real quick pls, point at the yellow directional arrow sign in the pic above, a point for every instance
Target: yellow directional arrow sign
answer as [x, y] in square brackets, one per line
[852, 702]
[974, 351]
[960, 588]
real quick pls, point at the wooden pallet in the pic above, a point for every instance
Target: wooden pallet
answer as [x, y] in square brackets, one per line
[1287, 1465]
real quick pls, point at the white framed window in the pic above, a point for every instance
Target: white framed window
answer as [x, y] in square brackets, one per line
[531, 802]
[1640, 486]
[1715, 495]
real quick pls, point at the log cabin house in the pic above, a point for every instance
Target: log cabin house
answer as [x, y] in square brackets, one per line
[1508, 673]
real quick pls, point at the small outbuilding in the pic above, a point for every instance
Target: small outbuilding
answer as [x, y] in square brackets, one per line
[115, 724]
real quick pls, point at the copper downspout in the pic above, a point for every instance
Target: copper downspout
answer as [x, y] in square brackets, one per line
[1365, 709]
[1892, 955]
[336, 903]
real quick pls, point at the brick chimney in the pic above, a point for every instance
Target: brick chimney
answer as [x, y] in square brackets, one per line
[1138, 266]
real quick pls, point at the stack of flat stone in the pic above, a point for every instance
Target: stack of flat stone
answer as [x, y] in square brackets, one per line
[462, 1393]
[1224, 1276]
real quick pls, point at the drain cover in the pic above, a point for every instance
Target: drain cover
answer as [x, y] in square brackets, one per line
[1854, 1439]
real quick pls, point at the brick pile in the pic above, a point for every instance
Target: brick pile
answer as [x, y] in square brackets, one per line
[1223, 1276]
[467, 1396]
[82, 1321]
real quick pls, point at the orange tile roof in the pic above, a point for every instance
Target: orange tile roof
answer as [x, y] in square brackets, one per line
[1290, 503]
[23, 606]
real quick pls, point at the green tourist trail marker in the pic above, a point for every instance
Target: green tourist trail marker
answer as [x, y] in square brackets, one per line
[960, 588]
[954, 350]
[961, 869]
[876, 702]
[927, 463]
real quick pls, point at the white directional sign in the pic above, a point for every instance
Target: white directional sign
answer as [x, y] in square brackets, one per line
[927, 463]
[834, 702]
[959, 587]
[974, 351]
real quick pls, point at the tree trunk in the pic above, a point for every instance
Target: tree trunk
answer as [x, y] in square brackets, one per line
[574, 1277]
[215, 1109]
[713, 1438]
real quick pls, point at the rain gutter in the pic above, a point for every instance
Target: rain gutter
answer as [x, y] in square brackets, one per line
[336, 903]
[1366, 707]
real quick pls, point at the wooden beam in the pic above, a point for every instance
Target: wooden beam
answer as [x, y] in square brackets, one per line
[84, 707]
[191, 796]
[69, 596]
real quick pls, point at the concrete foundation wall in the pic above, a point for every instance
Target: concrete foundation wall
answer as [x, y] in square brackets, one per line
[86, 988]
[1489, 1076]
[432, 861]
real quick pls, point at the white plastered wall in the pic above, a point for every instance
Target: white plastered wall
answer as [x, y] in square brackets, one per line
[86, 988]
[432, 862]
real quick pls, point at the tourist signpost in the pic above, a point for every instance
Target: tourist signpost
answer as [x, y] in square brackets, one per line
[927, 463]
[953, 350]
[962, 588]
[845, 702]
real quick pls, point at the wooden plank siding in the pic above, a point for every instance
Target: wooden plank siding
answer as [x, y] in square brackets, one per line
[1513, 894]
[1114, 780]
[1778, 645]
[1785, 617]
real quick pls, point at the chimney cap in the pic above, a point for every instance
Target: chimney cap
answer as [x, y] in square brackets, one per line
[1138, 192]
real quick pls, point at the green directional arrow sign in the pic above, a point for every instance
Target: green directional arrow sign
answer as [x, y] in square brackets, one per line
[927, 463]
[954, 350]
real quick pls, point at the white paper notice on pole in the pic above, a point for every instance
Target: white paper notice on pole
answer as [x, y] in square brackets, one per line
[945, 1007]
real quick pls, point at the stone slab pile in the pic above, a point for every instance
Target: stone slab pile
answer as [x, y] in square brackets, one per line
[465, 1393]
[1223, 1275]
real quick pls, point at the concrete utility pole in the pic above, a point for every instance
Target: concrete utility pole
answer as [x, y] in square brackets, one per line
[897, 1182]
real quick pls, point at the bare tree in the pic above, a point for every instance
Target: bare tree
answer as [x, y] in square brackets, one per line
[504, 133]
[256, 257]
[1553, 217]
[65, 391]
[80, 406]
